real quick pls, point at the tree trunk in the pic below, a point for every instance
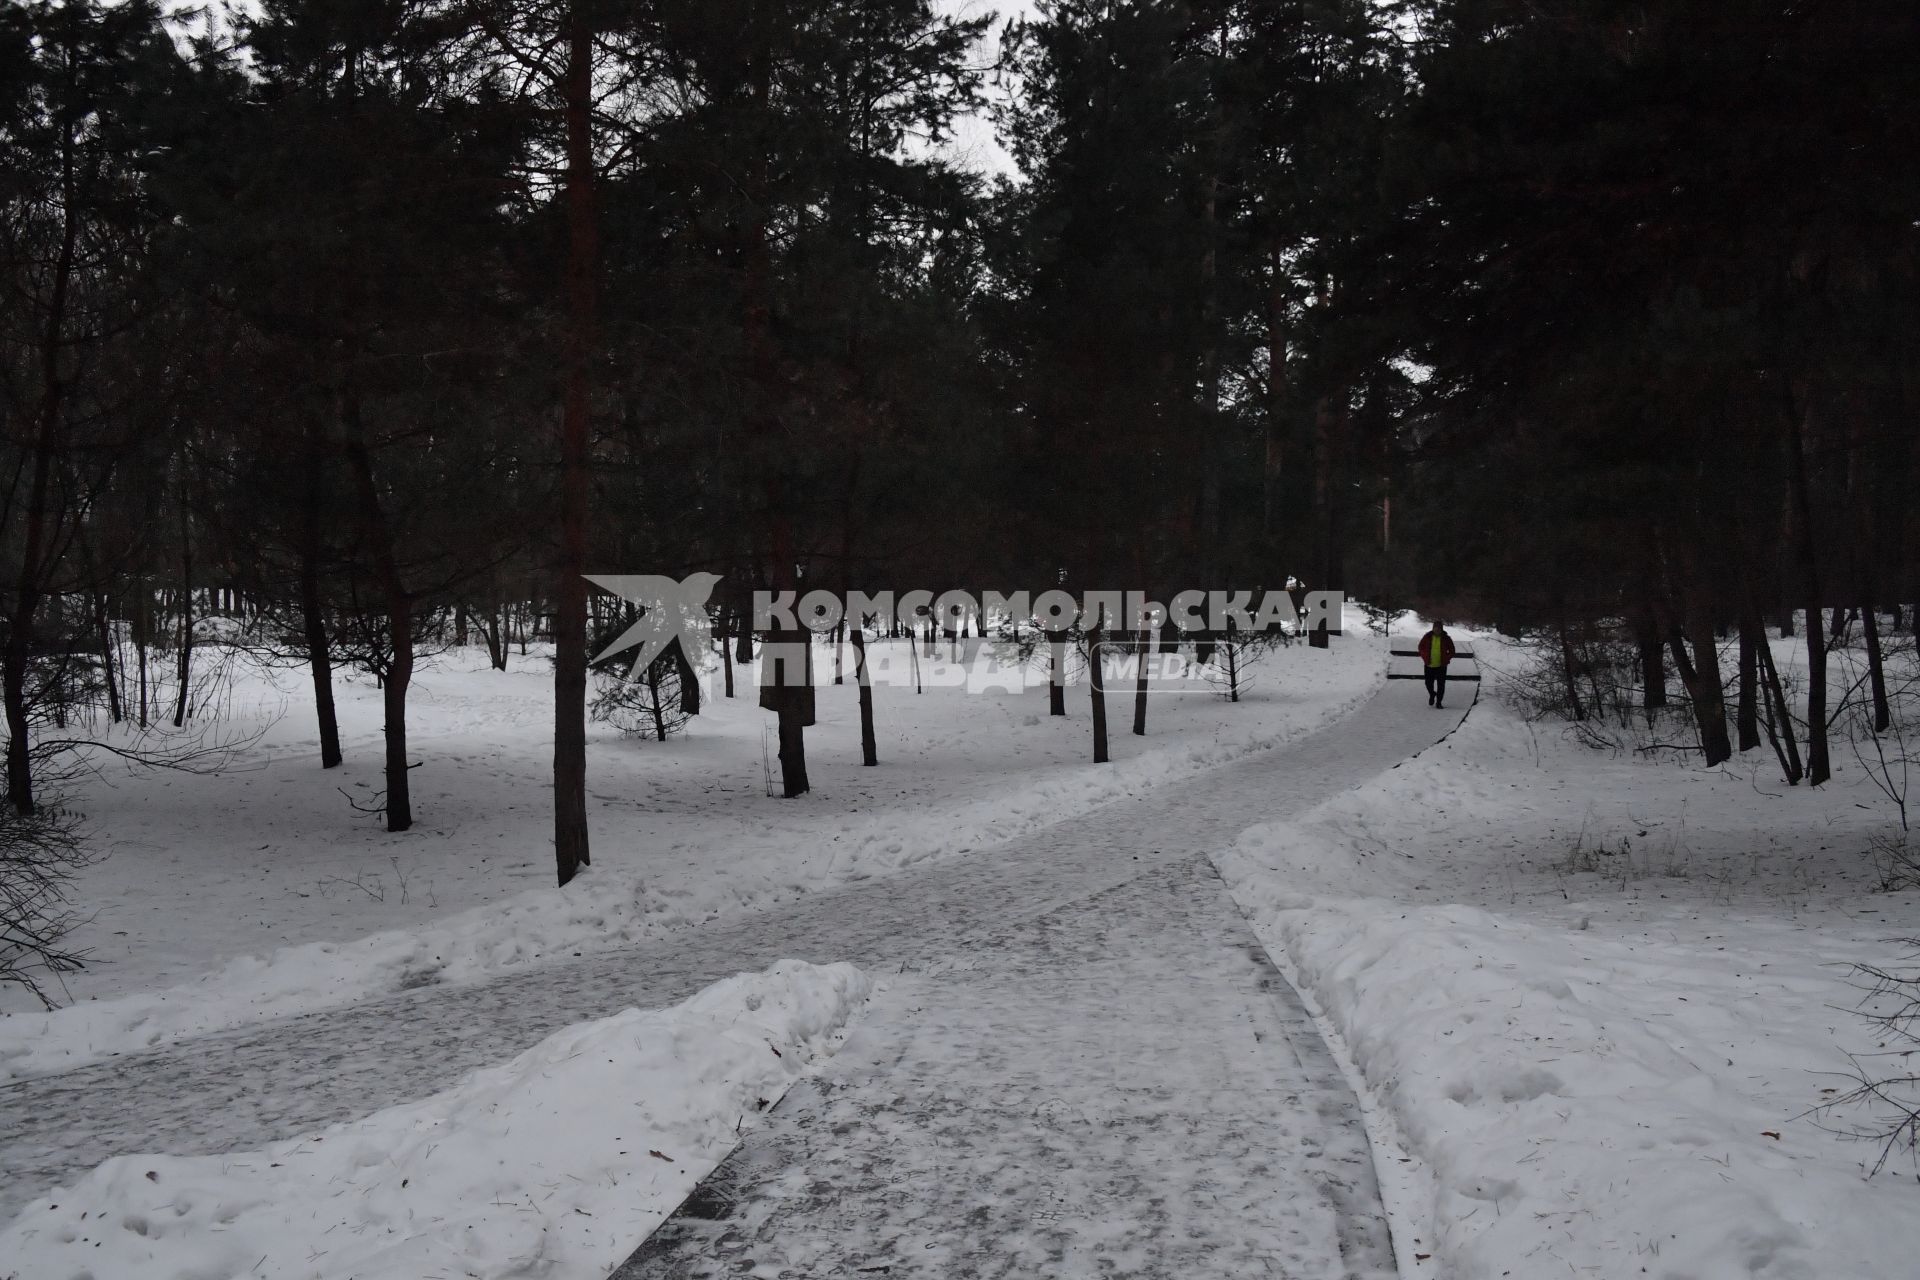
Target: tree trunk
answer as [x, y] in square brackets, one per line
[570, 837]
[1322, 501]
[183, 667]
[784, 662]
[1779, 719]
[141, 621]
[1800, 492]
[1681, 662]
[496, 644]
[784, 669]
[743, 629]
[399, 608]
[1709, 690]
[1270, 475]
[1143, 648]
[394, 699]
[313, 616]
[656, 702]
[869, 751]
[688, 678]
[793, 758]
[103, 624]
[319, 655]
[1099, 684]
[1746, 715]
[1653, 667]
[1569, 671]
[1209, 443]
[1876, 672]
[1818, 768]
[809, 700]
[1057, 673]
[1228, 651]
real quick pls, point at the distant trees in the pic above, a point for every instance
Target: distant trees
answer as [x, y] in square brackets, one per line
[793, 283]
[84, 324]
[99, 365]
[368, 458]
[1589, 289]
[1159, 307]
[1660, 309]
[366, 266]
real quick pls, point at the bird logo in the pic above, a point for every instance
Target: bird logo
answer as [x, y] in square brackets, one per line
[669, 611]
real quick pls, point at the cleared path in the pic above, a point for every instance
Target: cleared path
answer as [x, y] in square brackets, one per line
[1121, 1087]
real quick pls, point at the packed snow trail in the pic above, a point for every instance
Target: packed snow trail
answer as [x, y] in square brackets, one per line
[1123, 1086]
[242, 1089]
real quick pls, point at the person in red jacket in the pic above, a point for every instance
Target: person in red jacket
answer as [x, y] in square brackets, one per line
[1436, 651]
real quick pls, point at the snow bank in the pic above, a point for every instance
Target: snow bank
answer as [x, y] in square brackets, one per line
[1594, 1106]
[555, 1164]
[600, 910]
[1598, 1040]
[977, 769]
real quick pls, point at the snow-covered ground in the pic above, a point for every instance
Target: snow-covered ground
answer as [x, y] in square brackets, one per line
[262, 893]
[552, 1164]
[1592, 998]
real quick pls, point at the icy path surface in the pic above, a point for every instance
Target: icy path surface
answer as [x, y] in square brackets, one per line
[1124, 1086]
[244, 1089]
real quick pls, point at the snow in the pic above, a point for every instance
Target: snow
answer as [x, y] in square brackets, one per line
[249, 896]
[249, 1086]
[551, 1164]
[1014, 1110]
[1591, 1000]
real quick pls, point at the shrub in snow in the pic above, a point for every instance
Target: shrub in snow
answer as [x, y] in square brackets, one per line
[647, 703]
[39, 852]
[1235, 654]
[1884, 1101]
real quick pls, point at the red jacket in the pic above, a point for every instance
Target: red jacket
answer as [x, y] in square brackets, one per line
[1426, 649]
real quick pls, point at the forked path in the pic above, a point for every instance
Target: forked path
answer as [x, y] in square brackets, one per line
[1113, 1082]
[1008, 910]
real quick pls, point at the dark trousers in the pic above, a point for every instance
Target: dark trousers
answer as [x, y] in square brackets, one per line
[1436, 679]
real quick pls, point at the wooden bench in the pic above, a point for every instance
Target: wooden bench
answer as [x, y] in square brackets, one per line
[1458, 656]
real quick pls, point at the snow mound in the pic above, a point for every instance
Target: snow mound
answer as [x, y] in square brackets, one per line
[599, 911]
[1584, 1102]
[554, 1164]
[1590, 1002]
